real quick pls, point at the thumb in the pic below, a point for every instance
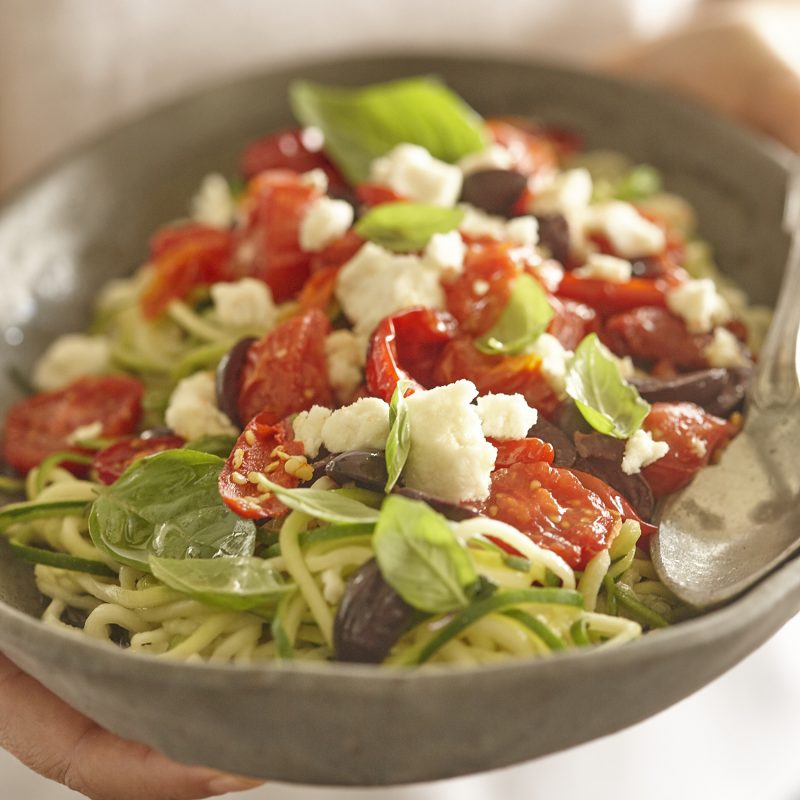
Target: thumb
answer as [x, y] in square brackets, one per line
[56, 741]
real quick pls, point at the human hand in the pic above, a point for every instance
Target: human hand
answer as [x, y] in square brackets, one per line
[63, 745]
[740, 59]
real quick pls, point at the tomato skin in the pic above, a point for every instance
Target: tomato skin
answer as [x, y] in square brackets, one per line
[553, 508]
[40, 425]
[319, 289]
[260, 456]
[654, 334]
[682, 426]
[338, 253]
[111, 462]
[521, 451]
[572, 321]
[610, 298]
[496, 374]
[286, 150]
[407, 346]
[183, 257]
[376, 194]
[286, 372]
[532, 151]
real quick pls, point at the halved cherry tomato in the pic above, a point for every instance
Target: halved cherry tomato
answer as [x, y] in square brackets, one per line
[276, 203]
[521, 451]
[286, 372]
[496, 374]
[286, 150]
[553, 508]
[610, 298]
[41, 424]
[325, 265]
[185, 256]
[407, 346]
[571, 322]
[376, 194]
[693, 436]
[111, 462]
[655, 334]
[615, 502]
[318, 290]
[337, 253]
[262, 447]
[532, 151]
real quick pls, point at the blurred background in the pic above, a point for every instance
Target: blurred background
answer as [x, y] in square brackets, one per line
[70, 69]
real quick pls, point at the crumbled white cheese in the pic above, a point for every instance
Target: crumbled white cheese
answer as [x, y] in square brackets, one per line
[524, 230]
[92, 430]
[376, 283]
[345, 353]
[640, 451]
[605, 268]
[307, 427]
[214, 204]
[325, 221]
[700, 305]
[449, 456]
[506, 416]
[550, 272]
[69, 357]
[192, 411]
[569, 191]
[445, 252]
[630, 234]
[246, 303]
[363, 425]
[317, 179]
[520, 230]
[725, 350]
[411, 171]
[312, 138]
[495, 156]
[555, 361]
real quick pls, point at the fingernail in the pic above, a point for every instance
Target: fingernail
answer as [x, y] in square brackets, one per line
[224, 784]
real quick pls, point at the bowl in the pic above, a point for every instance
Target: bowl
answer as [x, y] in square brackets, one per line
[88, 219]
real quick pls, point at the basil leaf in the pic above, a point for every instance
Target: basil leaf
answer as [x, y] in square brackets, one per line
[324, 504]
[420, 558]
[218, 445]
[607, 402]
[398, 443]
[407, 227]
[241, 583]
[639, 183]
[363, 123]
[168, 505]
[526, 316]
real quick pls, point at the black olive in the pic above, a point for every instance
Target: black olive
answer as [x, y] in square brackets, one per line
[365, 468]
[370, 619]
[718, 391]
[554, 235]
[598, 445]
[452, 511]
[634, 488]
[495, 191]
[565, 454]
[229, 379]
[156, 433]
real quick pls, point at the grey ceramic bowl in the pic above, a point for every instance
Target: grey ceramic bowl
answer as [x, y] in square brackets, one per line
[88, 220]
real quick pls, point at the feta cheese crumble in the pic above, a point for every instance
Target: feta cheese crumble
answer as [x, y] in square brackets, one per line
[555, 361]
[316, 179]
[640, 451]
[699, 304]
[411, 171]
[325, 221]
[521, 230]
[449, 456]
[569, 191]
[346, 354]
[307, 427]
[363, 425]
[495, 156]
[725, 350]
[193, 411]
[69, 357]
[506, 416]
[376, 283]
[605, 268]
[630, 234]
[246, 303]
[446, 251]
[214, 204]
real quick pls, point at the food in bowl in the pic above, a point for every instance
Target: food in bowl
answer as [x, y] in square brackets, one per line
[408, 395]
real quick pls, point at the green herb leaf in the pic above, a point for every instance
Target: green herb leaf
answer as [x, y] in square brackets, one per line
[607, 402]
[168, 505]
[240, 583]
[407, 227]
[420, 557]
[639, 183]
[525, 317]
[327, 505]
[218, 445]
[363, 123]
[398, 443]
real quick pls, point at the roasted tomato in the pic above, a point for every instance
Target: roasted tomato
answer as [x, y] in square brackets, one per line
[553, 508]
[337, 253]
[112, 461]
[41, 424]
[269, 449]
[610, 298]
[318, 290]
[276, 203]
[522, 451]
[693, 436]
[375, 194]
[286, 372]
[407, 346]
[571, 322]
[532, 151]
[497, 374]
[289, 149]
[184, 257]
[654, 334]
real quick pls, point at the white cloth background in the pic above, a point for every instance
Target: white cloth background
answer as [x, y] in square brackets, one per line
[70, 68]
